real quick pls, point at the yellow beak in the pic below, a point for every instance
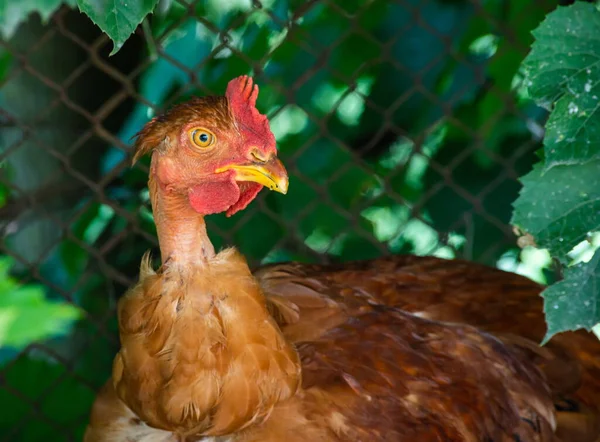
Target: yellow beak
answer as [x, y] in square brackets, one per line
[270, 174]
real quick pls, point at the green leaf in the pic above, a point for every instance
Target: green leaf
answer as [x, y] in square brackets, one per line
[563, 68]
[117, 18]
[573, 303]
[559, 207]
[13, 13]
[26, 315]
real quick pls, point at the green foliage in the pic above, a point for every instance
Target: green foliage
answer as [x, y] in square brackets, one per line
[117, 18]
[26, 316]
[573, 303]
[563, 71]
[13, 13]
[559, 205]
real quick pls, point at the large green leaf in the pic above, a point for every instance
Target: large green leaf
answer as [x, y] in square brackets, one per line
[573, 303]
[559, 207]
[562, 71]
[117, 18]
[13, 13]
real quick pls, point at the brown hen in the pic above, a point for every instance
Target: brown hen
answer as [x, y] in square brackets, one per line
[395, 349]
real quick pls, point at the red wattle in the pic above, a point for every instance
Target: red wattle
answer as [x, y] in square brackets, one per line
[248, 191]
[214, 197]
[222, 196]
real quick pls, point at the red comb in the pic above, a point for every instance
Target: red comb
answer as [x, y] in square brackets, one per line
[241, 94]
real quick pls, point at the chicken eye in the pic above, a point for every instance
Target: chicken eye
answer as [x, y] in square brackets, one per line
[203, 137]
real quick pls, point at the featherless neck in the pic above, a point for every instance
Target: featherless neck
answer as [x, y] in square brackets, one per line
[181, 231]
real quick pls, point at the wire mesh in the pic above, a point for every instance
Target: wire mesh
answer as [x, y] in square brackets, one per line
[404, 127]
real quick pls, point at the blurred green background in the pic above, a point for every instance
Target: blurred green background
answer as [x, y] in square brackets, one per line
[404, 126]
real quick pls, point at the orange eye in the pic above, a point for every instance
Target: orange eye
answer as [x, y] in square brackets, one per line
[202, 137]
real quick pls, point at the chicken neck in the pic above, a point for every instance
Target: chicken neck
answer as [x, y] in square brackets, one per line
[181, 230]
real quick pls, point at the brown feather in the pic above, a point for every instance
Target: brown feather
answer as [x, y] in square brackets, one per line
[200, 353]
[371, 372]
[459, 292]
[213, 109]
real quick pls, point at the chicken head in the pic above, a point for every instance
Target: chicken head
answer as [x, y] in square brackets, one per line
[217, 152]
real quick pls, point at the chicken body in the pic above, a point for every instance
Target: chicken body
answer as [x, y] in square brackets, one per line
[395, 349]
[372, 371]
[200, 353]
[444, 292]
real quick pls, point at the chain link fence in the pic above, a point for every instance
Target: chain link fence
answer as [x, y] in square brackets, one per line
[404, 126]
